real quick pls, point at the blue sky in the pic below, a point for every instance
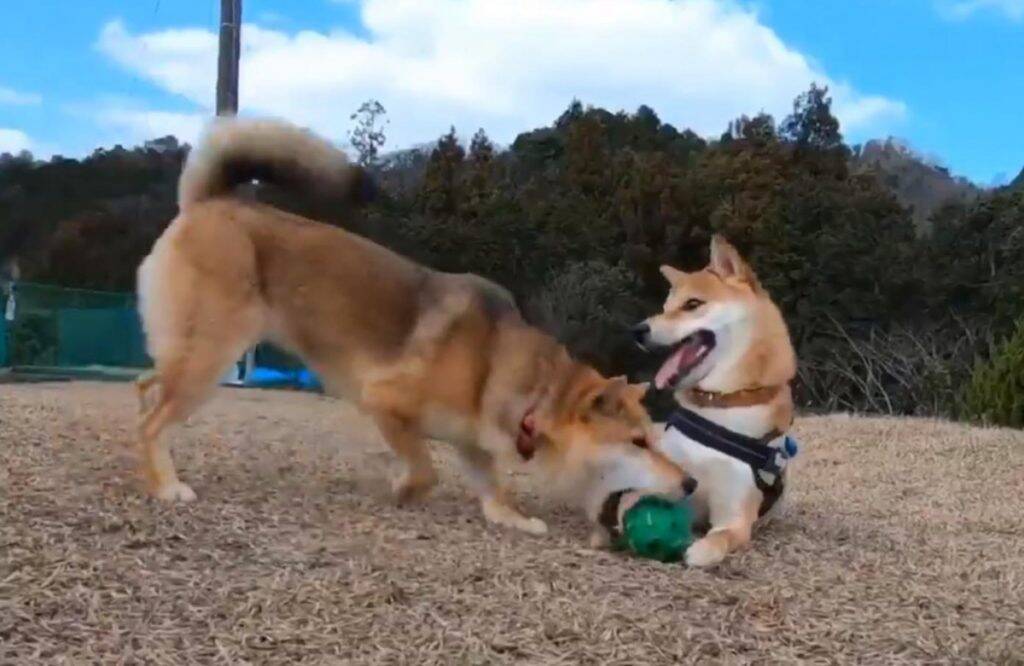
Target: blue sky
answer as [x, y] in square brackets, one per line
[946, 75]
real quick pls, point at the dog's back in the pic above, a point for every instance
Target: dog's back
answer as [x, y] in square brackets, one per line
[342, 302]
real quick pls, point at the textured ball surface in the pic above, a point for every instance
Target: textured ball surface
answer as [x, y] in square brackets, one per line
[658, 528]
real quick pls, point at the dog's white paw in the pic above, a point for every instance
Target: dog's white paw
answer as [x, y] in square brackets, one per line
[703, 553]
[534, 526]
[175, 492]
[499, 513]
[600, 539]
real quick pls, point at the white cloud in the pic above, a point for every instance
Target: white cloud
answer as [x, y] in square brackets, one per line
[143, 124]
[182, 61]
[962, 9]
[126, 121]
[507, 67]
[14, 141]
[16, 98]
[858, 111]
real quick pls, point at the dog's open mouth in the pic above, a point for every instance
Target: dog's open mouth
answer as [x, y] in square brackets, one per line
[687, 355]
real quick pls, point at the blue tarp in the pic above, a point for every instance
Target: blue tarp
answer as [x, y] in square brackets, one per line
[268, 377]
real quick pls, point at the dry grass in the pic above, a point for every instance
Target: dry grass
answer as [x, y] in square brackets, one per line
[902, 542]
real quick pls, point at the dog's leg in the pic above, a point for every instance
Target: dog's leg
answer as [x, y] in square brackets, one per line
[143, 384]
[485, 478]
[731, 527]
[156, 464]
[182, 384]
[406, 440]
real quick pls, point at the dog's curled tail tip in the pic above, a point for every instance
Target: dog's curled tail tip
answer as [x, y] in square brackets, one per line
[235, 151]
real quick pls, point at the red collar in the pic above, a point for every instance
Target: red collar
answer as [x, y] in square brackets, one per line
[525, 444]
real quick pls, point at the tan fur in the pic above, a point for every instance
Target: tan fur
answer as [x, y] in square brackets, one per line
[754, 352]
[275, 145]
[724, 538]
[427, 354]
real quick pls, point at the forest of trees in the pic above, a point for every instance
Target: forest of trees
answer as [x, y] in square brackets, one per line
[889, 312]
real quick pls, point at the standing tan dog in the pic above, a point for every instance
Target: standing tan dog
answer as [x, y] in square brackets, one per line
[730, 366]
[427, 354]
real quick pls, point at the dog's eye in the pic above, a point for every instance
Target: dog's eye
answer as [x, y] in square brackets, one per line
[640, 442]
[692, 304]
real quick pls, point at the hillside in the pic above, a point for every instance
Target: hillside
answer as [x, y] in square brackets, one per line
[1018, 182]
[922, 186]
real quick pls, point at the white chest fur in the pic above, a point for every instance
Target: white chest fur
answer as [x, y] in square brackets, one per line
[722, 481]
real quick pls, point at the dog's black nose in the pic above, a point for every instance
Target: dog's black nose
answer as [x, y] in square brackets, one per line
[689, 486]
[640, 333]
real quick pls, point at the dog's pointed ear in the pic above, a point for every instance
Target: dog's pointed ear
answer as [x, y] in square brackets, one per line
[608, 400]
[727, 262]
[673, 275]
[638, 391]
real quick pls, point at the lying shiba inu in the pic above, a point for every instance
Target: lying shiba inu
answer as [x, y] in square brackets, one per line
[730, 367]
[427, 354]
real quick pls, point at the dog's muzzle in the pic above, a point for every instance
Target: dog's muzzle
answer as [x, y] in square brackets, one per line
[608, 516]
[641, 334]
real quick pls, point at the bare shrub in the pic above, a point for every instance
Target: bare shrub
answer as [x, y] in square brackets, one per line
[588, 306]
[903, 370]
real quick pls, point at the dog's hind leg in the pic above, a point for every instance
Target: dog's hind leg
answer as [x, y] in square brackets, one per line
[182, 385]
[155, 461]
[405, 438]
[485, 477]
[193, 340]
[143, 383]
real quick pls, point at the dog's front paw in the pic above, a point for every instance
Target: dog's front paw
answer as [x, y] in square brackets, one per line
[410, 488]
[499, 513]
[704, 553]
[600, 539]
[175, 492]
[534, 526]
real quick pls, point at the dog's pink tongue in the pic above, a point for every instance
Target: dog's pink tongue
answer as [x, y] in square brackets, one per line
[669, 369]
[680, 359]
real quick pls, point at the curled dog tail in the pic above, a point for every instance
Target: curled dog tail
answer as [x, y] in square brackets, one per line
[237, 151]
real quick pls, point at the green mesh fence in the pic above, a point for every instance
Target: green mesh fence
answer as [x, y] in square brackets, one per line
[3, 336]
[59, 327]
[58, 330]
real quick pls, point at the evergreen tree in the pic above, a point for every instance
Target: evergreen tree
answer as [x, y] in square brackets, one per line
[368, 136]
[440, 192]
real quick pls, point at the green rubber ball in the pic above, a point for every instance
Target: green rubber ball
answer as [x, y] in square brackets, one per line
[658, 528]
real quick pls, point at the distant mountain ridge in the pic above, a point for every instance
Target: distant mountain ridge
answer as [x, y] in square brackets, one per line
[918, 182]
[1018, 182]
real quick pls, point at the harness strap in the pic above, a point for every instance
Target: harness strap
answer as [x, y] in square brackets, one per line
[755, 452]
[771, 492]
[762, 458]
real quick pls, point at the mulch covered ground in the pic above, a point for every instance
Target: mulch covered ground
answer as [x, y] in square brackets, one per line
[903, 541]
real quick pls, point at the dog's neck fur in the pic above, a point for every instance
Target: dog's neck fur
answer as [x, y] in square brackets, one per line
[760, 357]
[540, 378]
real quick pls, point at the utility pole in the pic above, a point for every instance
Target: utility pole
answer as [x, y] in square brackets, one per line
[227, 105]
[227, 60]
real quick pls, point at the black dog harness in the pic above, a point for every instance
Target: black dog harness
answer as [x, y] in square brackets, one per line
[767, 455]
